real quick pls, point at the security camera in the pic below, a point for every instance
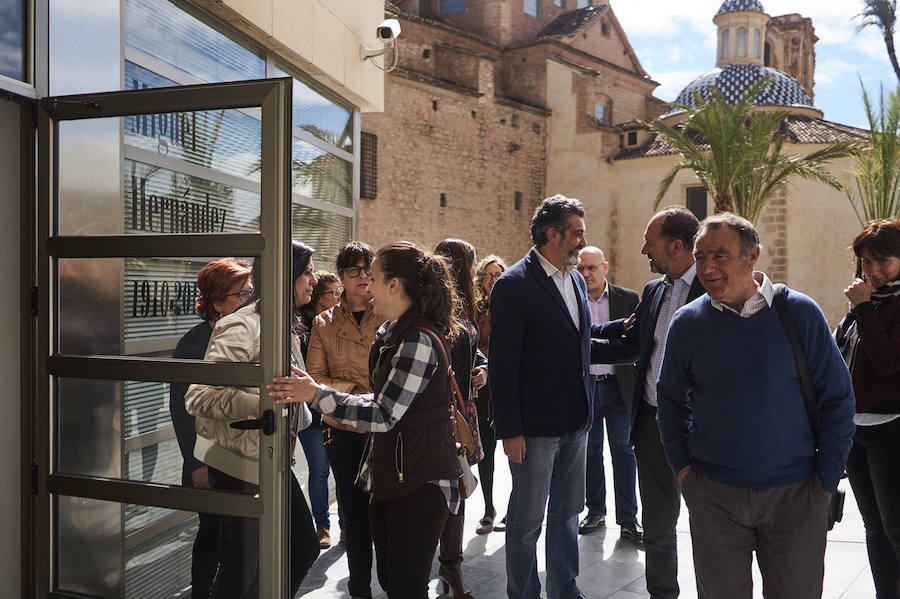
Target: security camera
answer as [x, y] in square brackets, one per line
[389, 30]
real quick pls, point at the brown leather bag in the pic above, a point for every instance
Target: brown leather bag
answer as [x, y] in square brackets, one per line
[461, 430]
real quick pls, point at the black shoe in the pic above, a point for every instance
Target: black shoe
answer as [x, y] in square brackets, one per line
[632, 532]
[591, 524]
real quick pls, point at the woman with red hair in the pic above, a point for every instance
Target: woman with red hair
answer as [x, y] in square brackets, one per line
[224, 286]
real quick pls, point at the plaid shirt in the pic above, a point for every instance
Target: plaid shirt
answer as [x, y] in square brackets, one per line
[412, 367]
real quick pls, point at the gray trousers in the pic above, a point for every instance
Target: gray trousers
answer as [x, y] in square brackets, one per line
[785, 526]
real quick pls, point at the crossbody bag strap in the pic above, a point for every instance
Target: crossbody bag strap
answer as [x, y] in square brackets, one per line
[779, 302]
[455, 395]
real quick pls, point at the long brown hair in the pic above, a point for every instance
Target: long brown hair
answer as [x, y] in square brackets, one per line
[461, 255]
[426, 280]
[481, 275]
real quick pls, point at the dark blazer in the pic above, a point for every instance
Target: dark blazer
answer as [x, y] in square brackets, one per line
[622, 303]
[615, 345]
[538, 376]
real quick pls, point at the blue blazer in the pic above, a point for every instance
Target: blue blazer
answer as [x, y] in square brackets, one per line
[539, 362]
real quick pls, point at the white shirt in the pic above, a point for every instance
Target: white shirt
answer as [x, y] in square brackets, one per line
[761, 299]
[599, 314]
[674, 296]
[565, 285]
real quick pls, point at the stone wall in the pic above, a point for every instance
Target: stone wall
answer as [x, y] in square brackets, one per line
[791, 40]
[450, 165]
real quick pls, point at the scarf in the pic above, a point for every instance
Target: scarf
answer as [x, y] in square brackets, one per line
[846, 335]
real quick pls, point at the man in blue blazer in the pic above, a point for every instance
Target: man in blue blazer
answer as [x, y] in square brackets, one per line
[542, 394]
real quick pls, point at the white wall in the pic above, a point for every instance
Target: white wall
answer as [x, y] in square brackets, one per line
[10, 335]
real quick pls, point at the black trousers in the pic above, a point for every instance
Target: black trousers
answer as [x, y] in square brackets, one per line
[486, 465]
[345, 451]
[238, 574]
[874, 469]
[406, 533]
[661, 503]
[205, 556]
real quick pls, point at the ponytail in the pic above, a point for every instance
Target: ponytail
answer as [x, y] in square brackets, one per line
[426, 281]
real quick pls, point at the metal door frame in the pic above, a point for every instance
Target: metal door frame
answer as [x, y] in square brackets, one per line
[272, 244]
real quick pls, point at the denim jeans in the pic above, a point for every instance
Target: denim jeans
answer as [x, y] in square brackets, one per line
[553, 468]
[609, 408]
[317, 460]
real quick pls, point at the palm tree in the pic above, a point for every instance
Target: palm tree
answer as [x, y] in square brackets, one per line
[883, 15]
[736, 152]
[877, 168]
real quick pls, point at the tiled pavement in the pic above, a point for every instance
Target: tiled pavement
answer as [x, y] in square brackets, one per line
[610, 568]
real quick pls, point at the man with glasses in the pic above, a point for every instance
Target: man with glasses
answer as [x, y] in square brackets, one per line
[611, 385]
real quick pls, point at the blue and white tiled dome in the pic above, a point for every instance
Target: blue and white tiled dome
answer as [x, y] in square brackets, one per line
[733, 79]
[740, 6]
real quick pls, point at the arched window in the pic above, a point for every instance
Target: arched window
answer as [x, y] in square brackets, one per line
[756, 44]
[603, 109]
[742, 42]
[723, 49]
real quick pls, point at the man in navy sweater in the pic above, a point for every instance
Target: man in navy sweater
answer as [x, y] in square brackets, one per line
[735, 428]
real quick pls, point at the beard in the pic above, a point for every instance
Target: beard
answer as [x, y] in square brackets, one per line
[572, 258]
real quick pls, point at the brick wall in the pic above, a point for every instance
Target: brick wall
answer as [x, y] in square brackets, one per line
[434, 142]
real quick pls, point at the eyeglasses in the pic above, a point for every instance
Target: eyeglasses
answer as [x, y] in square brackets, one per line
[493, 275]
[333, 292]
[591, 268]
[355, 271]
[242, 295]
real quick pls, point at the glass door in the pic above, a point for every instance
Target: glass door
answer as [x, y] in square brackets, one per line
[116, 282]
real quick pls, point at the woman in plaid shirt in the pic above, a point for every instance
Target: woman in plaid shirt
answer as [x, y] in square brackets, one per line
[410, 466]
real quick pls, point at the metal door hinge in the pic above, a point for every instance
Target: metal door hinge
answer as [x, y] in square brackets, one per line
[34, 300]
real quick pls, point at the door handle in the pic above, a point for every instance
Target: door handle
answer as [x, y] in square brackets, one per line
[266, 423]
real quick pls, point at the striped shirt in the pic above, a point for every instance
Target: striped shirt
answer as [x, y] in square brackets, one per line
[412, 367]
[761, 299]
[675, 296]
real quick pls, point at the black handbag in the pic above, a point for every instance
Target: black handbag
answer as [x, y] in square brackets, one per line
[836, 504]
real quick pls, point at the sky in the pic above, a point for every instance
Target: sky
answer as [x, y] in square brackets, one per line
[678, 42]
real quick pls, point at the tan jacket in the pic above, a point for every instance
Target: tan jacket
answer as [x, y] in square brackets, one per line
[338, 354]
[235, 338]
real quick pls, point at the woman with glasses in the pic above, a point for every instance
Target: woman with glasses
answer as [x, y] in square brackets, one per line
[339, 357]
[232, 455]
[410, 466]
[869, 338]
[224, 285]
[487, 272]
[325, 295]
[470, 369]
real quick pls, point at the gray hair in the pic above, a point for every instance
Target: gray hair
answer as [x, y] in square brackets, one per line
[743, 227]
[553, 213]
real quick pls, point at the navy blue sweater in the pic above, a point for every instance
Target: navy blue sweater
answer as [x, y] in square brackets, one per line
[730, 404]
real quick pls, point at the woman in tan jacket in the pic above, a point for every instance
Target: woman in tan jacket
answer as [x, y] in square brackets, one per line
[338, 356]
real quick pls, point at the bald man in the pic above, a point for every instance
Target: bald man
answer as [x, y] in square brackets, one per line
[611, 385]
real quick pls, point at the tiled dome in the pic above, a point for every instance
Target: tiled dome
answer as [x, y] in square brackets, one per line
[733, 79]
[739, 6]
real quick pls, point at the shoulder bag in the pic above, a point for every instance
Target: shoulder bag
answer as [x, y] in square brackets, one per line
[836, 504]
[461, 431]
